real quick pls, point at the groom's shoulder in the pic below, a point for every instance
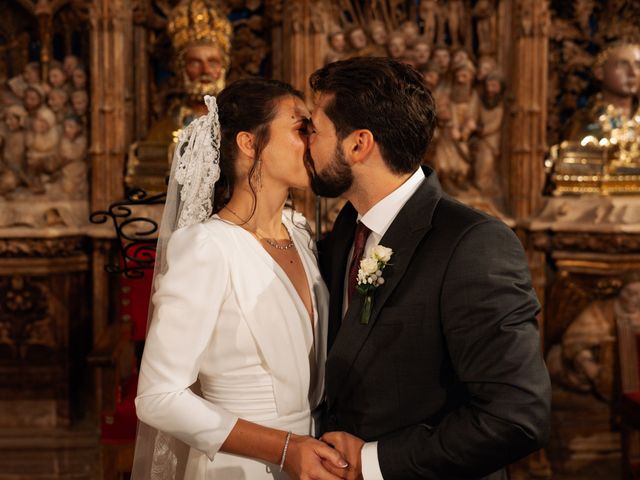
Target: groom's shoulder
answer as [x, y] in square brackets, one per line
[452, 214]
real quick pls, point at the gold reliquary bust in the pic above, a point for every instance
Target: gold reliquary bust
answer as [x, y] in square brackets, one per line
[201, 40]
[601, 150]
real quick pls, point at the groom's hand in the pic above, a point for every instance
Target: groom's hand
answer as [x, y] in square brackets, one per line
[350, 447]
[310, 459]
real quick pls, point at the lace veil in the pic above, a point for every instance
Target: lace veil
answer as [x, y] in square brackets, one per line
[194, 172]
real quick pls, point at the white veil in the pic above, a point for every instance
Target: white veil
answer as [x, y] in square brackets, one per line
[194, 172]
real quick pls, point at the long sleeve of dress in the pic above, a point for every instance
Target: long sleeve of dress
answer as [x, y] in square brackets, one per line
[186, 307]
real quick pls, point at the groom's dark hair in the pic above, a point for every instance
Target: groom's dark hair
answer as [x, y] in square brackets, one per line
[386, 97]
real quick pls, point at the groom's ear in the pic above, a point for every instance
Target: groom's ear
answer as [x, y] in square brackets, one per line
[362, 145]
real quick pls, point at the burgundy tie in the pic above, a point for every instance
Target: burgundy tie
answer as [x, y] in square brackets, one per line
[362, 233]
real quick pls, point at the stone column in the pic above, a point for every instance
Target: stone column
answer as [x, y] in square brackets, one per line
[303, 49]
[528, 114]
[527, 148]
[111, 76]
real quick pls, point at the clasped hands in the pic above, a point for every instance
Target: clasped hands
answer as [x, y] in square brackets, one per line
[335, 456]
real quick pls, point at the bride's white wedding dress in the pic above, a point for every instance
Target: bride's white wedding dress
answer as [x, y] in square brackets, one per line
[227, 314]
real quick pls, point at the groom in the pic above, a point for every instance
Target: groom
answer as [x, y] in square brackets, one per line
[443, 378]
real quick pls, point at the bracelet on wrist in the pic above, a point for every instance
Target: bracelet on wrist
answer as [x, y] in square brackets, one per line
[284, 450]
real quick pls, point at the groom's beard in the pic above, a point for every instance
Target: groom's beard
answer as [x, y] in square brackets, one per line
[334, 180]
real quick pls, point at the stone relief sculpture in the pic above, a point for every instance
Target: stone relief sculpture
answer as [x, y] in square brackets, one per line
[579, 362]
[38, 115]
[437, 38]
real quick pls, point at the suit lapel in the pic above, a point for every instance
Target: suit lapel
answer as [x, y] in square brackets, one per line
[343, 234]
[403, 236]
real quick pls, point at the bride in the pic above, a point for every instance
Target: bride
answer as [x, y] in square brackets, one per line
[239, 304]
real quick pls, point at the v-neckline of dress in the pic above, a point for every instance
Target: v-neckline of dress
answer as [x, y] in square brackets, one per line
[282, 274]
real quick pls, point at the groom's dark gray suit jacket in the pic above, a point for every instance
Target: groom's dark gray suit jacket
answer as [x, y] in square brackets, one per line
[447, 375]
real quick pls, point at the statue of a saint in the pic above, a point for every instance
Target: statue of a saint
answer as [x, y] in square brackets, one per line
[397, 47]
[488, 135]
[358, 41]
[421, 51]
[338, 47]
[617, 69]
[201, 40]
[411, 32]
[379, 37]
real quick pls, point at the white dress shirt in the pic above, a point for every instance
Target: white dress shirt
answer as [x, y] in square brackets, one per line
[378, 219]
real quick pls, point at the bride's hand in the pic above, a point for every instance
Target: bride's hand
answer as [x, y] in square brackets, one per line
[305, 456]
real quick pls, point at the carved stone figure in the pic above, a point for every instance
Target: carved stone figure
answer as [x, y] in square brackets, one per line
[484, 13]
[488, 136]
[431, 74]
[429, 11]
[80, 104]
[70, 63]
[201, 40]
[442, 57]
[13, 149]
[465, 103]
[73, 144]
[486, 65]
[456, 22]
[397, 47]
[58, 101]
[379, 37]
[79, 78]
[411, 33]
[448, 158]
[577, 362]
[57, 77]
[42, 148]
[457, 113]
[421, 51]
[461, 55]
[628, 301]
[357, 41]
[72, 154]
[34, 98]
[617, 69]
[337, 46]
[29, 77]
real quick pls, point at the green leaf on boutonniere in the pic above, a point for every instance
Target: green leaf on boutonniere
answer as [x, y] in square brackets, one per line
[367, 307]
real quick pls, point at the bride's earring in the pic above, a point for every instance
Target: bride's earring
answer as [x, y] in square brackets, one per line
[257, 175]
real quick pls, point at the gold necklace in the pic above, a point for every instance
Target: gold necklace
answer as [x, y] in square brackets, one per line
[268, 241]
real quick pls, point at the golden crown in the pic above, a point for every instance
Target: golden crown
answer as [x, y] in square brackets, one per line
[199, 22]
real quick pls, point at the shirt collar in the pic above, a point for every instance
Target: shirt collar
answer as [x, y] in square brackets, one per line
[381, 215]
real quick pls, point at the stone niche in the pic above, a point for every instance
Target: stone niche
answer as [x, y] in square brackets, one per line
[45, 329]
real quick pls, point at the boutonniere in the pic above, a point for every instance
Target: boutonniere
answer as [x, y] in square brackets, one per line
[370, 277]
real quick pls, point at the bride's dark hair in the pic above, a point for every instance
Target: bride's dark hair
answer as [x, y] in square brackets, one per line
[247, 105]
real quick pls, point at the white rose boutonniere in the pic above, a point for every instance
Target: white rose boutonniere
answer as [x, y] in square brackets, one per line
[370, 277]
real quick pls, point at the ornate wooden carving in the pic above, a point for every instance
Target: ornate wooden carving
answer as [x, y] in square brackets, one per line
[42, 247]
[615, 243]
[44, 330]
